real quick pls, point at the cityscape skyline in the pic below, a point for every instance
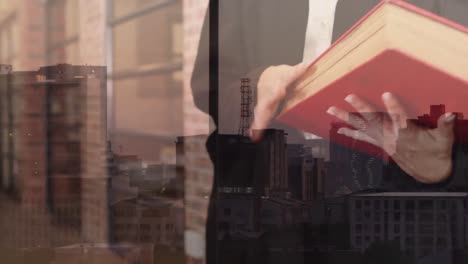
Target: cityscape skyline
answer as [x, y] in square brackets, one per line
[283, 188]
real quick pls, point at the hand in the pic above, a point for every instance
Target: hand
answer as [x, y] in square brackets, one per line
[272, 87]
[423, 153]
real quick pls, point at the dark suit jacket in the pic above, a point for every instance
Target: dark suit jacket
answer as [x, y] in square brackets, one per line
[256, 34]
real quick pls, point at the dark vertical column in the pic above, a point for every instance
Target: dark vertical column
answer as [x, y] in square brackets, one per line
[10, 130]
[212, 248]
[50, 192]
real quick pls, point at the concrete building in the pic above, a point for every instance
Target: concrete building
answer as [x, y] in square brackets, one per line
[423, 224]
[306, 174]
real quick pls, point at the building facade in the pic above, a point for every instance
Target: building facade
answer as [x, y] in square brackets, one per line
[420, 223]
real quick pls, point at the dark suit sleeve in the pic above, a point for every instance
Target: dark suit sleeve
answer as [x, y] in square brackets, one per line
[457, 180]
[233, 66]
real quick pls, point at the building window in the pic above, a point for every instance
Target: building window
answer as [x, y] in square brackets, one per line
[396, 216]
[358, 228]
[227, 211]
[9, 98]
[409, 241]
[146, 75]
[426, 217]
[367, 215]
[377, 229]
[442, 217]
[376, 204]
[442, 228]
[358, 240]
[409, 216]
[358, 204]
[410, 229]
[426, 205]
[8, 37]
[443, 204]
[377, 216]
[409, 205]
[62, 23]
[426, 229]
[442, 242]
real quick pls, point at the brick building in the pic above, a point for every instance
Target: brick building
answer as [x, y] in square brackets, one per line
[54, 143]
[149, 48]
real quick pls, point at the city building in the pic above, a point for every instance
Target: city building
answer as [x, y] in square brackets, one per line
[149, 219]
[102, 253]
[197, 169]
[53, 141]
[319, 147]
[149, 49]
[126, 169]
[423, 224]
[306, 174]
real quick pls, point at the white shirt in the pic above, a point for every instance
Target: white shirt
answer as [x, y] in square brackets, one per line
[319, 28]
[319, 31]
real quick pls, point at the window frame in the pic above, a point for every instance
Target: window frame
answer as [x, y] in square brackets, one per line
[154, 69]
[64, 43]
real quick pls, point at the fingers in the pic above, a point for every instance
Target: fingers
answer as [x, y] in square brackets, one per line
[445, 125]
[357, 135]
[395, 110]
[352, 119]
[365, 109]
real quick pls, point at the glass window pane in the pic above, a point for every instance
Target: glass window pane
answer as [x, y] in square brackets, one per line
[71, 10]
[141, 106]
[153, 38]
[124, 7]
[63, 31]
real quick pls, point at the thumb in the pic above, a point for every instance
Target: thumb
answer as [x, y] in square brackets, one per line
[262, 117]
[298, 70]
[445, 125]
[264, 113]
[298, 74]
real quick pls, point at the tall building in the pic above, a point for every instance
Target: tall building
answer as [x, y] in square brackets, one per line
[54, 140]
[314, 179]
[425, 224]
[306, 174]
[6, 127]
[319, 147]
[272, 154]
[197, 170]
[297, 170]
[237, 165]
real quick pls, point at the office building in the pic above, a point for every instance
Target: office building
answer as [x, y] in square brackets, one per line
[422, 223]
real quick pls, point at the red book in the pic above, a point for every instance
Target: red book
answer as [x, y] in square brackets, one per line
[397, 47]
